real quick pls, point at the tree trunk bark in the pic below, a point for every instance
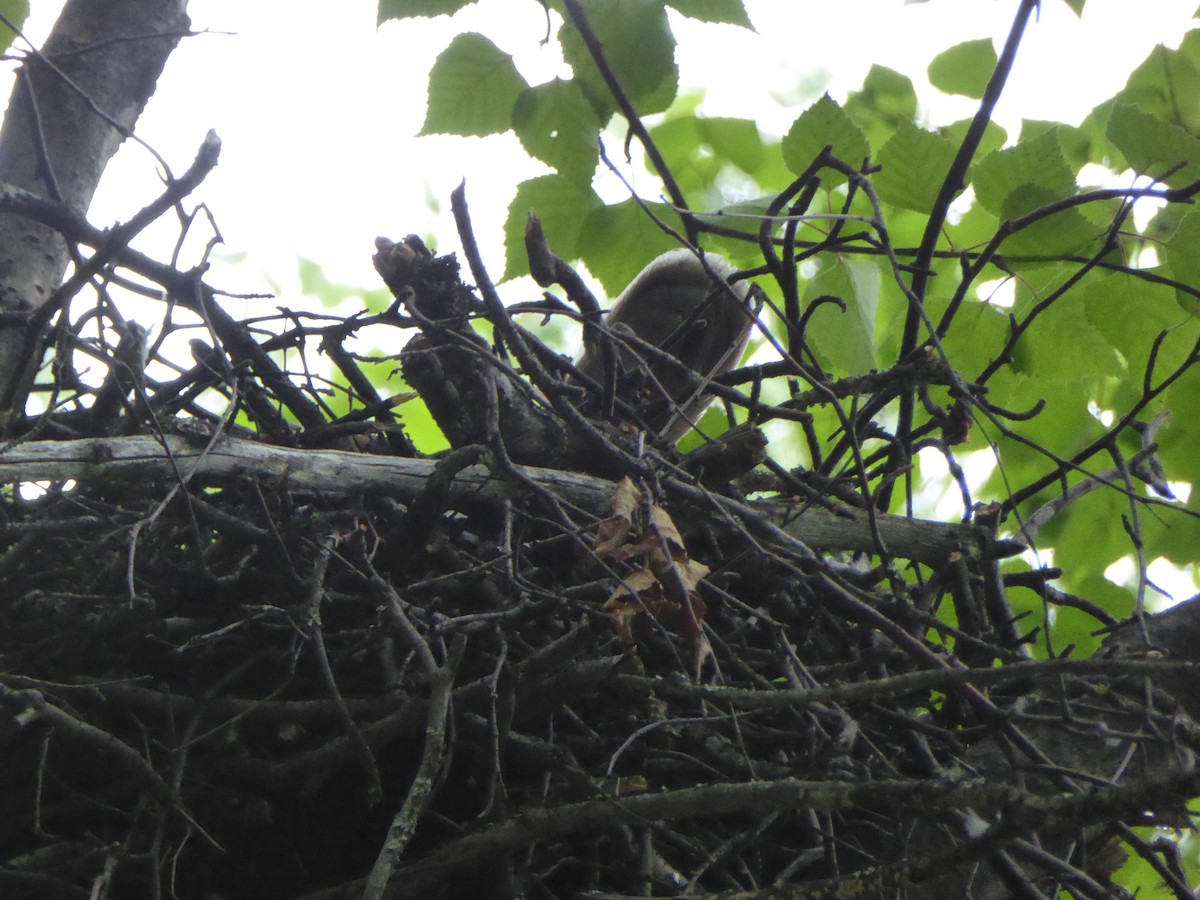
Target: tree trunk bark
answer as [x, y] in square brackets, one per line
[72, 106]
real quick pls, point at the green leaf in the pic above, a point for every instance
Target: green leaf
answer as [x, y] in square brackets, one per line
[1152, 147]
[884, 103]
[965, 68]
[735, 140]
[1098, 148]
[713, 423]
[1177, 449]
[1167, 84]
[977, 333]
[1076, 6]
[638, 46]
[617, 241]
[889, 93]
[562, 205]
[1137, 875]
[1130, 314]
[994, 137]
[1180, 256]
[1044, 355]
[732, 12]
[1087, 539]
[557, 125]
[915, 163]
[1051, 237]
[844, 343]
[410, 9]
[824, 123]
[1017, 180]
[1074, 141]
[314, 282]
[742, 217]
[16, 11]
[976, 226]
[685, 152]
[414, 415]
[473, 87]
[698, 150]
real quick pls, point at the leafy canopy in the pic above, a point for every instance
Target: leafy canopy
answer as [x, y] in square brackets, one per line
[1070, 319]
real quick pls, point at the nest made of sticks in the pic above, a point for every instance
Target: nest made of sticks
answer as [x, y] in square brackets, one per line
[238, 681]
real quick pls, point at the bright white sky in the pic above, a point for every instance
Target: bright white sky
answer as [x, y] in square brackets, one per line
[317, 108]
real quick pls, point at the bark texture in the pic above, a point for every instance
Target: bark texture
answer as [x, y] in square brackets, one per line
[72, 106]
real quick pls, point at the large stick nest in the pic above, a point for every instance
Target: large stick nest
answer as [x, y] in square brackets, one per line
[227, 676]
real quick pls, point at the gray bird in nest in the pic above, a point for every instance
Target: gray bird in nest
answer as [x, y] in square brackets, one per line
[688, 308]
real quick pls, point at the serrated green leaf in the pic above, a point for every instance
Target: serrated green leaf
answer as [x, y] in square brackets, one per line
[411, 9]
[561, 204]
[473, 87]
[617, 241]
[557, 125]
[1087, 539]
[1054, 237]
[975, 227]
[1167, 84]
[1152, 147]
[16, 11]
[1138, 875]
[732, 12]
[965, 68]
[824, 123]
[697, 150]
[638, 46]
[713, 423]
[914, 165]
[1074, 142]
[1017, 180]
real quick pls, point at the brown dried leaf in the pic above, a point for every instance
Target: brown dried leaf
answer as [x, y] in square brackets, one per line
[611, 533]
[638, 592]
[668, 559]
[632, 784]
[660, 520]
[626, 498]
[665, 588]
[633, 584]
[692, 572]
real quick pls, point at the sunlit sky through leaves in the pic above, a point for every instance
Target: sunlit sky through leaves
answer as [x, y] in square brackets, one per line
[317, 108]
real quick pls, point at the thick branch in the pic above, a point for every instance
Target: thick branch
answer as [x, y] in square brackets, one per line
[137, 460]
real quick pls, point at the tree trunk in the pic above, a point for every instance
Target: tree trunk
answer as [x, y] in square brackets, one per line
[72, 106]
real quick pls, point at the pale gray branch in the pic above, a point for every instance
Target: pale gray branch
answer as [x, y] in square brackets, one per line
[144, 459]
